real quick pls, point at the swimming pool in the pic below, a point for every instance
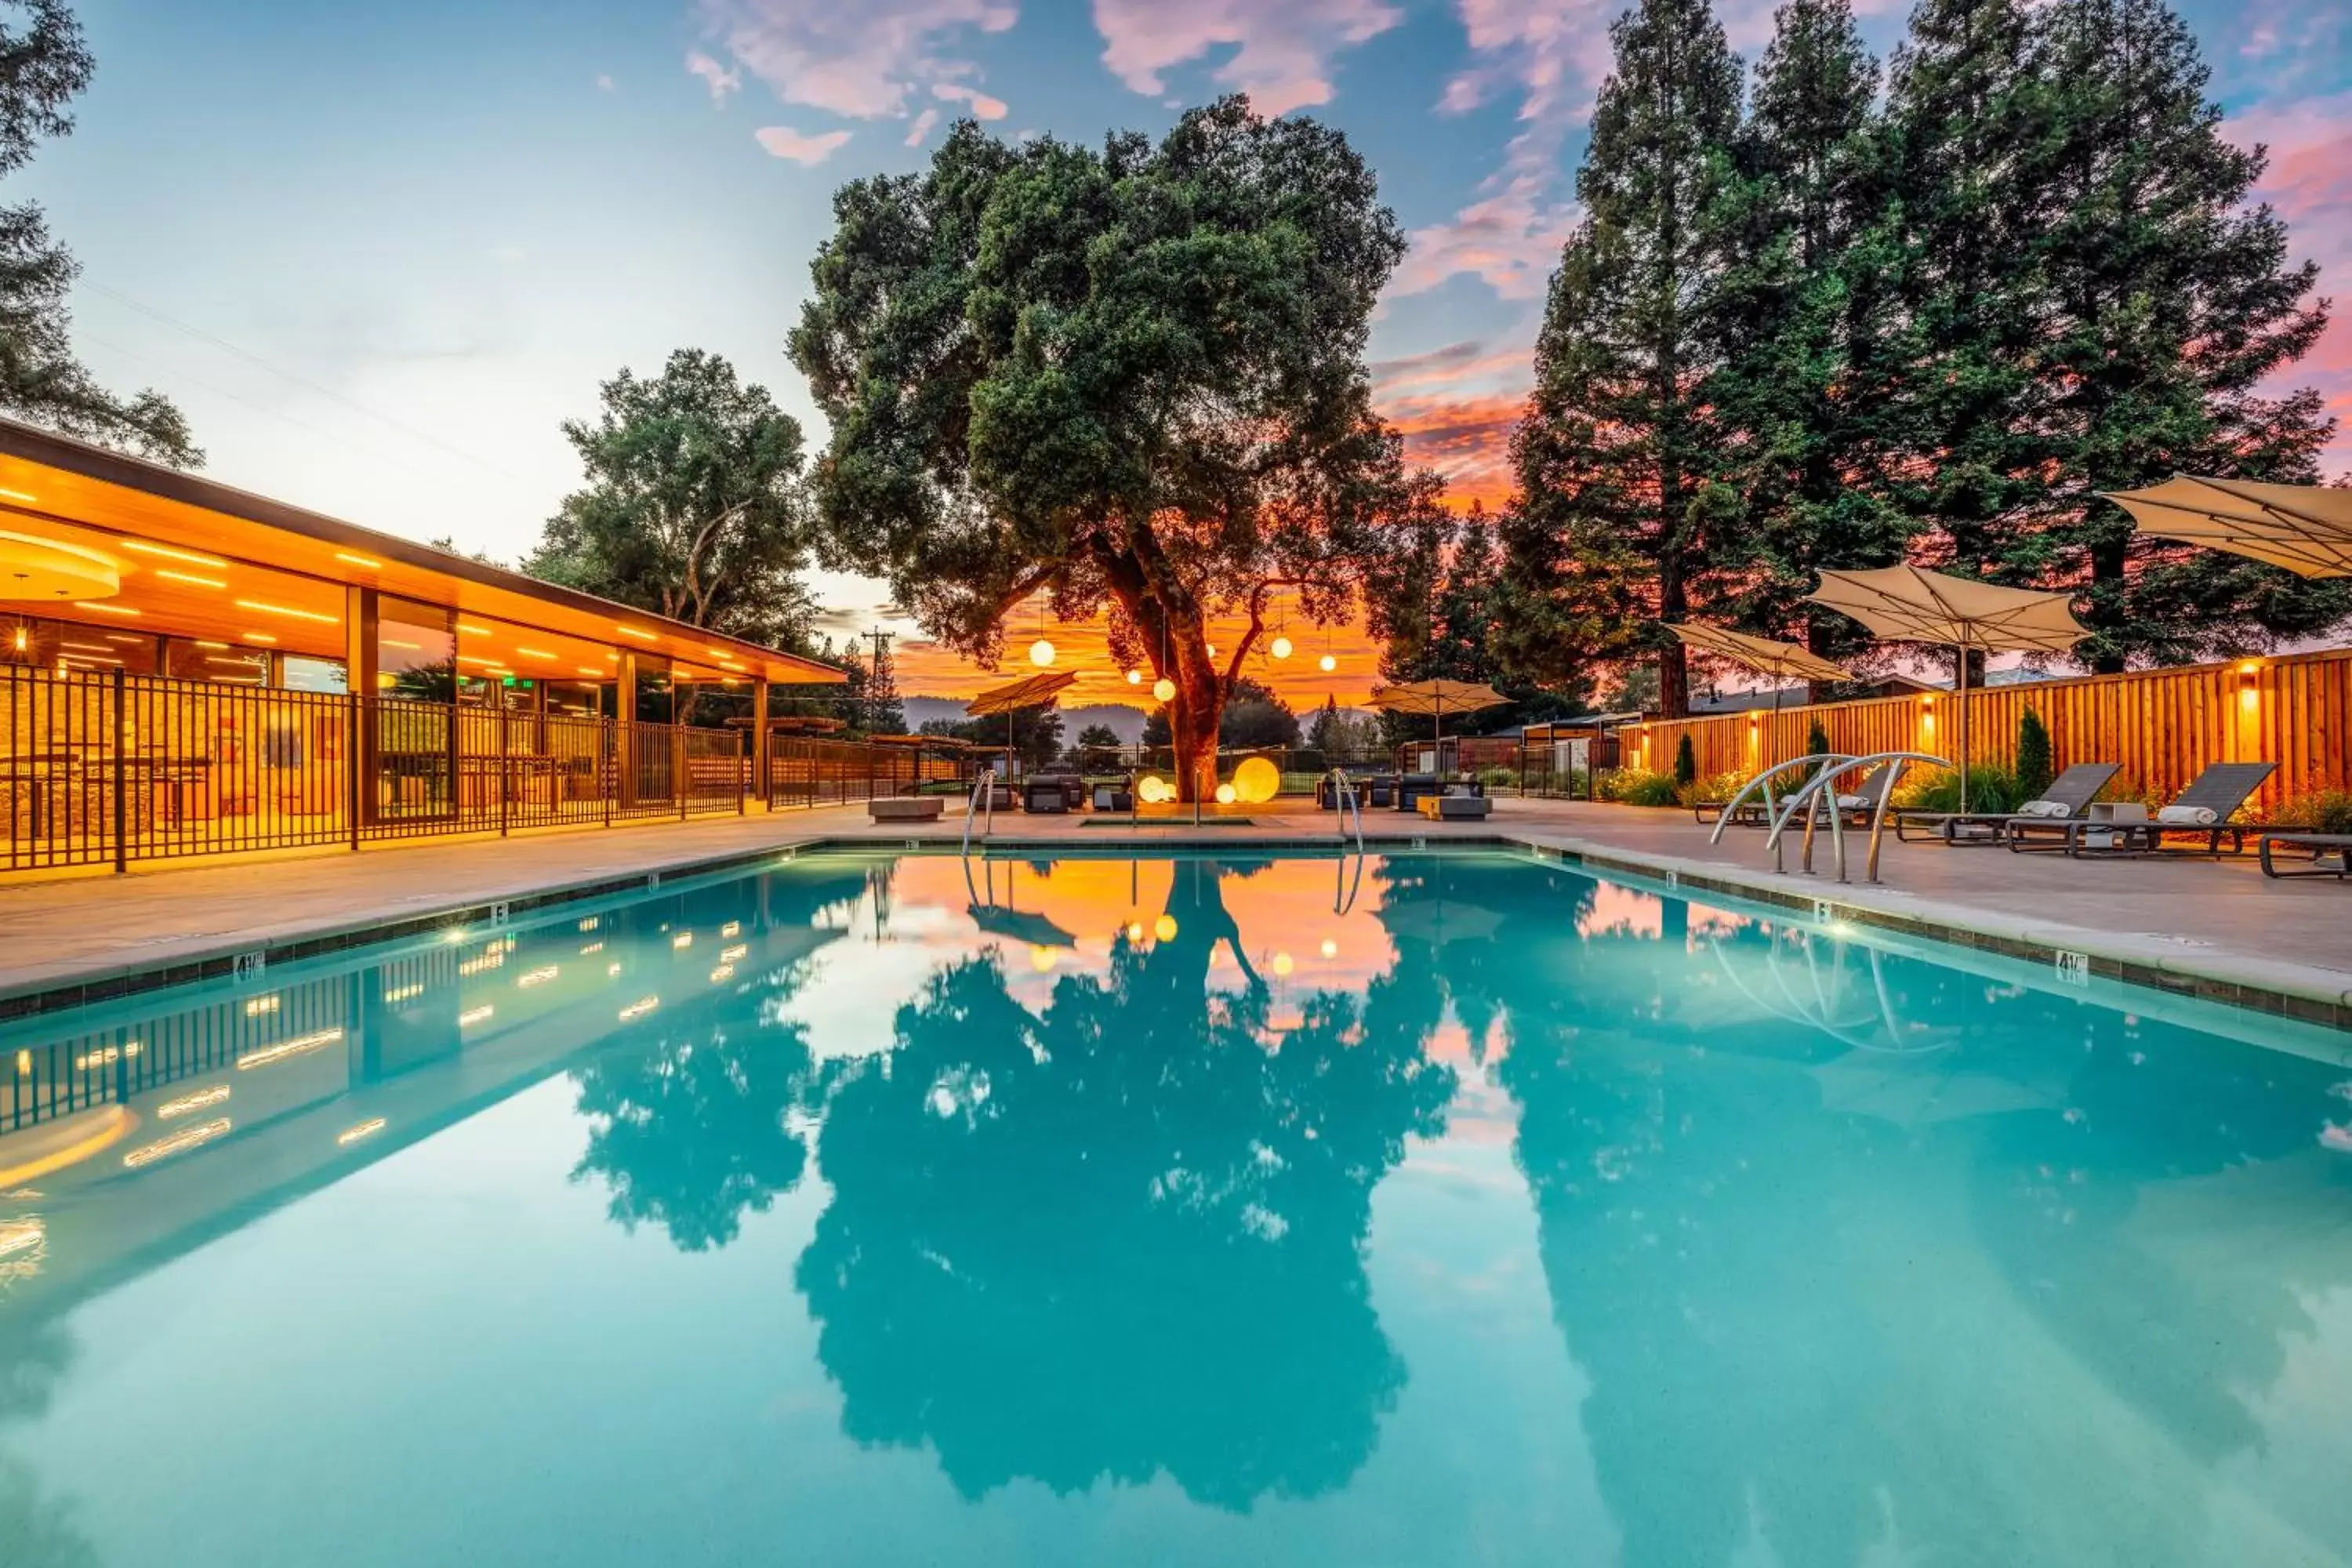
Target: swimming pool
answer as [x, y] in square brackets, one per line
[1442, 1208]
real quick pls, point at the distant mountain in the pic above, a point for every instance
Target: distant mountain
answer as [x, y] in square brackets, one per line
[1125, 723]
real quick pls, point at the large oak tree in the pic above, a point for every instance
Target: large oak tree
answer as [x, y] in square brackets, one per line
[1129, 379]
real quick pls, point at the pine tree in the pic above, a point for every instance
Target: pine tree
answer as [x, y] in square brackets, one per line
[2170, 303]
[1964, 107]
[1814, 337]
[2034, 766]
[1617, 525]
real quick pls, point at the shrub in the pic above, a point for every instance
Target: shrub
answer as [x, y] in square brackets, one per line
[2034, 766]
[1817, 738]
[1685, 762]
[1638, 786]
[1498, 778]
[1714, 786]
[2322, 811]
[1991, 788]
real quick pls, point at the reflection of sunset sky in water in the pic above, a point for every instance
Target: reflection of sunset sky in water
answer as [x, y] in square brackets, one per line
[1545, 1219]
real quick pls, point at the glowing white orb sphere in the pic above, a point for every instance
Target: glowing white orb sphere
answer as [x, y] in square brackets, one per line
[1164, 927]
[1135, 678]
[1329, 663]
[1280, 649]
[1164, 689]
[1281, 964]
[1331, 949]
[1151, 789]
[1041, 652]
[1225, 795]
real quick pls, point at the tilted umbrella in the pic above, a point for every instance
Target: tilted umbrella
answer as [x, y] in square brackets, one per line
[1780, 660]
[1031, 691]
[2308, 529]
[1905, 604]
[1437, 698]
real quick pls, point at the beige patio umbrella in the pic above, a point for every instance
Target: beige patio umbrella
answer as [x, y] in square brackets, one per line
[1437, 698]
[1905, 604]
[1778, 660]
[2308, 529]
[1030, 692]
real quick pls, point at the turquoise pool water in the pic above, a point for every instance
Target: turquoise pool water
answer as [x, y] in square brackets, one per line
[1213, 1210]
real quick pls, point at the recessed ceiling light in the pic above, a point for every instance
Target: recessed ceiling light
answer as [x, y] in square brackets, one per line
[168, 554]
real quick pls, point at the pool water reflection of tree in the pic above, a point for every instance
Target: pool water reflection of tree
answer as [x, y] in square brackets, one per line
[1122, 1235]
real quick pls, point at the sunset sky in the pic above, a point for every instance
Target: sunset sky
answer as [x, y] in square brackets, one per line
[377, 253]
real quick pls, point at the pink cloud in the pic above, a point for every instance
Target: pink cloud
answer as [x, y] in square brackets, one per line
[922, 126]
[2309, 184]
[860, 58]
[1282, 48]
[722, 80]
[981, 106]
[783, 142]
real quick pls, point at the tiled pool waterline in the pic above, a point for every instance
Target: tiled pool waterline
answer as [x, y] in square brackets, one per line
[1110, 1211]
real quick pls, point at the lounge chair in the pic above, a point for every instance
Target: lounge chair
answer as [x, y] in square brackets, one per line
[2069, 796]
[2306, 854]
[2203, 809]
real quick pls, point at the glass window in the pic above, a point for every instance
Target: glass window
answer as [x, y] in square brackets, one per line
[97, 650]
[575, 699]
[304, 673]
[656, 702]
[193, 659]
[415, 650]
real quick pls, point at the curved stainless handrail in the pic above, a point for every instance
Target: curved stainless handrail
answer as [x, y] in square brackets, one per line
[1764, 781]
[1809, 798]
[985, 785]
[1343, 898]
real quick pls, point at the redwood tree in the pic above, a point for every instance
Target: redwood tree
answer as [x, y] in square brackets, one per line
[1130, 379]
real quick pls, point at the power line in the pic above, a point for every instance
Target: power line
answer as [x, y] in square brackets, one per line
[263, 409]
[225, 346]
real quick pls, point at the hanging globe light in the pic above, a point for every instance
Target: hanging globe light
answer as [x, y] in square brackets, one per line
[1281, 648]
[1329, 663]
[1164, 927]
[1213, 651]
[1164, 689]
[1041, 653]
[1135, 678]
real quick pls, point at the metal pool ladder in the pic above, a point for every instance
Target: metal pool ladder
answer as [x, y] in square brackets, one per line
[975, 807]
[1345, 799]
[1809, 798]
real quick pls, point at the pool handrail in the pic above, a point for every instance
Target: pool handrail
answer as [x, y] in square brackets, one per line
[1764, 781]
[1808, 796]
[984, 784]
[1344, 799]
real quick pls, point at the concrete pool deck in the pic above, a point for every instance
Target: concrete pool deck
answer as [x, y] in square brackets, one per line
[2216, 929]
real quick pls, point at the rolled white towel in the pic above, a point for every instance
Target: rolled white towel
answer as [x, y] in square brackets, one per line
[1855, 803]
[2045, 808]
[2188, 815]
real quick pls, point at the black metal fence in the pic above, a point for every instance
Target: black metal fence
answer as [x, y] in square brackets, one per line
[824, 772]
[122, 768]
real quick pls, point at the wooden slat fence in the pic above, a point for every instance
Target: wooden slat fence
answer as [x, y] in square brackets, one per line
[2160, 726]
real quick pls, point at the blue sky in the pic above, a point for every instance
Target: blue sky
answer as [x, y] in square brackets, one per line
[378, 252]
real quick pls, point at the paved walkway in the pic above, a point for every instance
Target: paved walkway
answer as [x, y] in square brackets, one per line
[2199, 917]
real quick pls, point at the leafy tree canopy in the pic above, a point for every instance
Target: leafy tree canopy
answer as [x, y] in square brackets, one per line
[44, 65]
[695, 506]
[1131, 379]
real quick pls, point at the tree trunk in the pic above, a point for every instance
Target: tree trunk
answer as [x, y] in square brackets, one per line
[1674, 660]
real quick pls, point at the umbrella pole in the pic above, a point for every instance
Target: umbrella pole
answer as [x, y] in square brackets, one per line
[1960, 686]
